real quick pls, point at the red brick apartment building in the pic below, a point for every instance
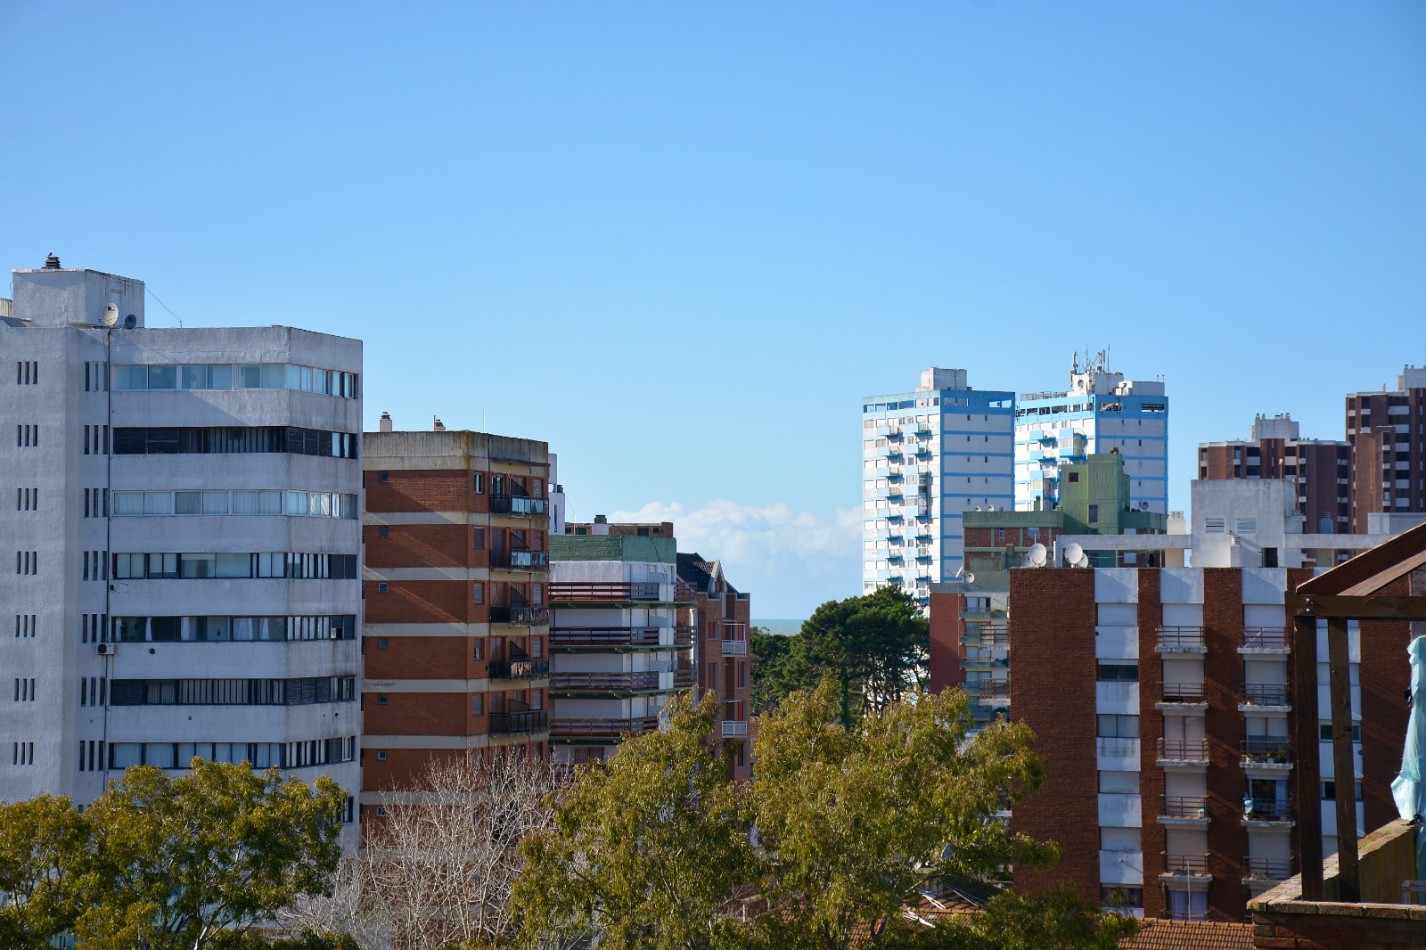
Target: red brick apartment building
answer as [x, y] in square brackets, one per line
[456, 565]
[1388, 435]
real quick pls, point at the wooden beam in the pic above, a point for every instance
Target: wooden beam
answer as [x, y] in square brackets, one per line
[1343, 767]
[1357, 608]
[1307, 832]
[1372, 570]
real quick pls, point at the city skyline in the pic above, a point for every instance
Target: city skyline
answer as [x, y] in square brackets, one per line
[610, 230]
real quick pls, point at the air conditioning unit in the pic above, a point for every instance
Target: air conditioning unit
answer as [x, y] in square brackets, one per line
[106, 649]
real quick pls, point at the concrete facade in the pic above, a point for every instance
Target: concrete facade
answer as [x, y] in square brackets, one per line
[203, 603]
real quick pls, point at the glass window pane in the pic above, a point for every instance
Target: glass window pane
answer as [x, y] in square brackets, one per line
[194, 377]
[232, 565]
[273, 375]
[163, 377]
[158, 503]
[187, 503]
[220, 376]
[269, 503]
[124, 754]
[200, 565]
[128, 503]
[245, 502]
[159, 754]
[297, 503]
[249, 376]
[131, 378]
[215, 503]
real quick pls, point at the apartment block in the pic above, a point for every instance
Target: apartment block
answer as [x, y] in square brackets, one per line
[618, 651]
[457, 564]
[928, 456]
[719, 618]
[1387, 431]
[185, 541]
[1100, 411]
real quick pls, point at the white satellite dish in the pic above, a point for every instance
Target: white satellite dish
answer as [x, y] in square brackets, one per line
[1036, 556]
[1074, 553]
[111, 314]
[1082, 562]
[969, 578]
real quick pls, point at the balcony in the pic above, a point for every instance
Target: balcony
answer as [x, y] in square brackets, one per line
[986, 634]
[520, 560]
[519, 668]
[923, 452]
[599, 637]
[1184, 868]
[1266, 870]
[1258, 697]
[1182, 697]
[1184, 810]
[591, 592]
[734, 647]
[523, 615]
[893, 454]
[1265, 640]
[1183, 753]
[683, 635]
[1177, 639]
[1266, 752]
[684, 677]
[607, 730]
[892, 433]
[894, 495]
[734, 729]
[527, 720]
[995, 692]
[1265, 814]
[518, 505]
[605, 683]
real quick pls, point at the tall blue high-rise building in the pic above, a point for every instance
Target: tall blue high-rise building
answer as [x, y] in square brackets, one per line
[1101, 411]
[927, 456]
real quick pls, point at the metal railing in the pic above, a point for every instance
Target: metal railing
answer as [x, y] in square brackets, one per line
[523, 668]
[604, 636]
[587, 591]
[683, 634]
[516, 559]
[506, 613]
[1274, 749]
[518, 505]
[1186, 865]
[607, 728]
[527, 720]
[1254, 810]
[1183, 750]
[684, 677]
[1177, 638]
[995, 689]
[735, 647]
[604, 682]
[1185, 806]
[986, 634]
[1268, 869]
[1182, 693]
[733, 729]
[1266, 638]
[1258, 694]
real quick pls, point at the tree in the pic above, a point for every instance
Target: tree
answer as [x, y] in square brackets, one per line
[41, 841]
[773, 676]
[196, 860]
[438, 869]
[647, 849]
[874, 646]
[855, 819]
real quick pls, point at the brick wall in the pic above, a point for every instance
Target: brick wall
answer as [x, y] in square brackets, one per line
[422, 545]
[418, 490]
[1224, 727]
[946, 650]
[1153, 839]
[423, 602]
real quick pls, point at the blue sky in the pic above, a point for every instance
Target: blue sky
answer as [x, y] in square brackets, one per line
[681, 242]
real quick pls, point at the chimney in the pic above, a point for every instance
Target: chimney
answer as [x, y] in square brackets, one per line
[385, 424]
[51, 262]
[600, 526]
[437, 425]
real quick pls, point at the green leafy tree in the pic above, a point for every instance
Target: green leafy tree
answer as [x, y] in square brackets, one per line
[645, 850]
[194, 861]
[854, 819]
[875, 648]
[43, 841]
[1058, 918]
[774, 673]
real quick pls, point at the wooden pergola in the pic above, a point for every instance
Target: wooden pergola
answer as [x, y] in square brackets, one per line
[1349, 591]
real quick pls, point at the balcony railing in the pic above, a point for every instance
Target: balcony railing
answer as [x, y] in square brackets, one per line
[607, 728]
[1183, 750]
[1265, 638]
[986, 634]
[528, 720]
[1275, 812]
[1266, 750]
[1177, 639]
[518, 505]
[1186, 807]
[1256, 694]
[526, 668]
[684, 677]
[520, 560]
[1268, 869]
[526, 615]
[733, 729]
[1186, 865]
[1182, 693]
[997, 691]
[735, 647]
[595, 592]
[683, 634]
[604, 682]
[604, 636]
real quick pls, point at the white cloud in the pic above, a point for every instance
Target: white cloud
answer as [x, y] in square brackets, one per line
[749, 534]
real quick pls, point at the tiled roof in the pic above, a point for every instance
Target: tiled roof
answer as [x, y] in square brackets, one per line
[1190, 935]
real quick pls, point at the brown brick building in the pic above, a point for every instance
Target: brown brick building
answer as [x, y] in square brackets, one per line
[1387, 431]
[455, 538]
[719, 617]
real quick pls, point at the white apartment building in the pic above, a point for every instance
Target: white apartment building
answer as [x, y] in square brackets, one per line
[927, 456]
[1100, 411]
[183, 520]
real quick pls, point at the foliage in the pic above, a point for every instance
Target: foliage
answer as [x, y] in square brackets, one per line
[1058, 918]
[854, 820]
[438, 869]
[646, 849]
[874, 647]
[155, 861]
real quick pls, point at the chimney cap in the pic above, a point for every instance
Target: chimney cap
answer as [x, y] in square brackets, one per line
[601, 519]
[52, 262]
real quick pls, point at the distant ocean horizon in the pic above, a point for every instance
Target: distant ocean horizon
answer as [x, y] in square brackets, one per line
[783, 626]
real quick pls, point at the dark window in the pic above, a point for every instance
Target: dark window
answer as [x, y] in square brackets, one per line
[1118, 673]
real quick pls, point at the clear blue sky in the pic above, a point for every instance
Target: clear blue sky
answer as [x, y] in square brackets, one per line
[680, 242]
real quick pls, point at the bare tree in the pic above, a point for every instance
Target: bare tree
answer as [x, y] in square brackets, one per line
[438, 868]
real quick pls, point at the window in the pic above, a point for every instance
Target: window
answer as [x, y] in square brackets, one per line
[382, 588]
[478, 650]
[477, 705]
[381, 756]
[1329, 791]
[478, 538]
[381, 699]
[1325, 731]
[477, 593]
[1215, 525]
[1118, 673]
[1118, 727]
[477, 483]
[383, 532]
[1093, 514]
[1074, 476]
[381, 643]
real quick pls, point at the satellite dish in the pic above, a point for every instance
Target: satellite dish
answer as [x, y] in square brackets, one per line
[1074, 553]
[111, 314]
[1082, 562]
[969, 578]
[1036, 556]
